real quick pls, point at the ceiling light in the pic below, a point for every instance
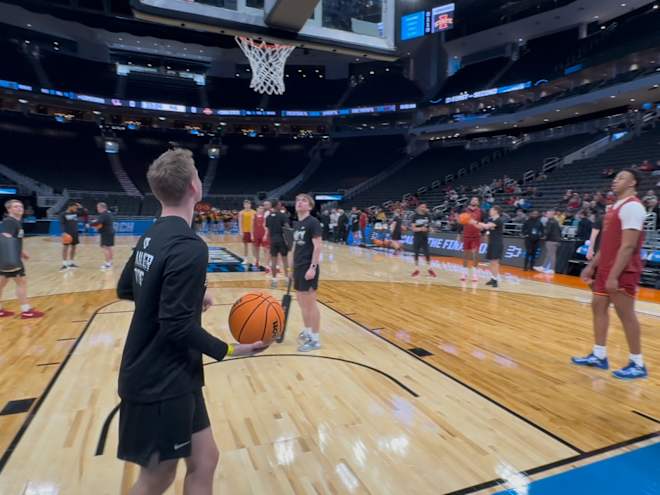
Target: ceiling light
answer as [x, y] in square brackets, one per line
[632, 99]
[623, 5]
[161, 118]
[612, 96]
[371, 72]
[546, 120]
[29, 25]
[22, 100]
[237, 74]
[96, 112]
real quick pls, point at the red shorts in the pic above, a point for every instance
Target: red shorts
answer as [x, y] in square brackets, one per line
[259, 242]
[628, 283]
[471, 243]
[247, 237]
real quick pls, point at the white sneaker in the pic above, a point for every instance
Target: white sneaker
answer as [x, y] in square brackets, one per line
[310, 345]
[549, 272]
[539, 269]
[303, 338]
[273, 284]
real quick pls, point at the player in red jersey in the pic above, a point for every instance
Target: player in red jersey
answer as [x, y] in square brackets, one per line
[617, 268]
[472, 240]
[258, 234]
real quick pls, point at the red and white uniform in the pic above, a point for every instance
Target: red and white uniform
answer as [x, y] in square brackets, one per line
[625, 214]
[259, 230]
[471, 233]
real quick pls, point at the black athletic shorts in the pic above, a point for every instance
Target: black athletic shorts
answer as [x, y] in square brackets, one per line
[76, 238]
[164, 427]
[299, 282]
[278, 246]
[495, 251]
[15, 274]
[107, 240]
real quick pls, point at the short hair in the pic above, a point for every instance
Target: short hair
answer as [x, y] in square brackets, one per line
[497, 208]
[102, 205]
[170, 175]
[9, 203]
[635, 175]
[247, 201]
[309, 199]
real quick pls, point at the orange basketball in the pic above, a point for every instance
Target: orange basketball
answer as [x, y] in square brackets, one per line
[464, 218]
[256, 316]
[67, 239]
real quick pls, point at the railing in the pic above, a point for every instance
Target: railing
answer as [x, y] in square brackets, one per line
[363, 186]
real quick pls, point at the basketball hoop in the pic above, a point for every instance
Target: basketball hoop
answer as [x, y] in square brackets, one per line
[267, 62]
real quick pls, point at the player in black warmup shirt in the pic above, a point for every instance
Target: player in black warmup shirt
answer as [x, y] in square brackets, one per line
[276, 222]
[307, 243]
[421, 225]
[395, 229]
[105, 225]
[69, 223]
[495, 228]
[11, 226]
[162, 416]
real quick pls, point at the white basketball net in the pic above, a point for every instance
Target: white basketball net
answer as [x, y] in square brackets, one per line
[267, 61]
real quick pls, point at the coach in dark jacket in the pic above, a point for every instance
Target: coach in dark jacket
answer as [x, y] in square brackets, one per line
[532, 231]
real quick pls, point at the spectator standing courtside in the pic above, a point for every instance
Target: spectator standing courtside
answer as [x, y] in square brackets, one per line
[552, 239]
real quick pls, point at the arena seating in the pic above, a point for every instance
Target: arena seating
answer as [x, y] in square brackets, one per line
[354, 161]
[42, 149]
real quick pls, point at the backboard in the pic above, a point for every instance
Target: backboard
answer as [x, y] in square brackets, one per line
[362, 28]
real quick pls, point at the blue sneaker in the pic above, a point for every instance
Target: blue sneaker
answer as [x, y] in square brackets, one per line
[630, 372]
[591, 361]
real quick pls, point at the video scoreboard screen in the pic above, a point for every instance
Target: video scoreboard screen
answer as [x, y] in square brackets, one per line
[423, 22]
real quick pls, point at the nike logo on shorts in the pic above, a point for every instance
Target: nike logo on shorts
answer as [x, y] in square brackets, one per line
[177, 446]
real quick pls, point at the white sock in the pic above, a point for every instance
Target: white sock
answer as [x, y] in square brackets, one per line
[600, 351]
[25, 308]
[316, 337]
[637, 359]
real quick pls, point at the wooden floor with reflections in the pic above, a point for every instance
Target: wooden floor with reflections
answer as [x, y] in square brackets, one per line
[422, 386]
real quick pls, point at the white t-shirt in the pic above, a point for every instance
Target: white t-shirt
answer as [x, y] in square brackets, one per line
[632, 215]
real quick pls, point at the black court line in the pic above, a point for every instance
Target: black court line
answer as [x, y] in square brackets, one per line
[563, 462]
[100, 447]
[457, 380]
[650, 418]
[28, 420]
[108, 420]
[48, 364]
[331, 358]
[65, 339]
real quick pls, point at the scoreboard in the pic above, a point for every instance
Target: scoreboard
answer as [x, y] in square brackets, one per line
[423, 22]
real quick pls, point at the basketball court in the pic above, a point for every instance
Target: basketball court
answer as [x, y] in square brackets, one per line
[430, 386]
[422, 386]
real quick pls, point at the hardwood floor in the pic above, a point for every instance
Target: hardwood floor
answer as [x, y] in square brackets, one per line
[364, 414]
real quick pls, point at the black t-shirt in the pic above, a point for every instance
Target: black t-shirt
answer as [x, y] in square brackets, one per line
[69, 222]
[104, 221]
[355, 222]
[14, 228]
[275, 223]
[396, 231]
[496, 235]
[166, 277]
[552, 230]
[303, 233]
[419, 220]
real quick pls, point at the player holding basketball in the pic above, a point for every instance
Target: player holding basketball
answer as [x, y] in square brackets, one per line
[11, 226]
[245, 222]
[258, 234]
[495, 228]
[105, 226]
[618, 267]
[307, 244]
[471, 240]
[69, 224]
[162, 415]
[421, 226]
